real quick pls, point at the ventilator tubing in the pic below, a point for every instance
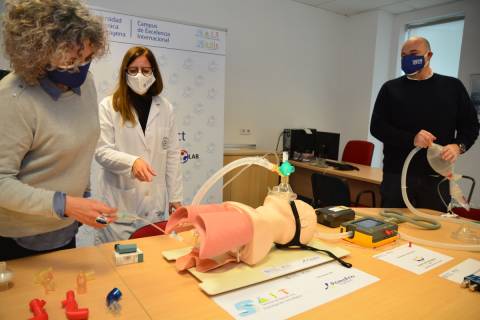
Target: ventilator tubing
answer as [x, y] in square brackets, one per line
[413, 209]
[409, 205]
[444, 245]
[259, 161]
[334, 236]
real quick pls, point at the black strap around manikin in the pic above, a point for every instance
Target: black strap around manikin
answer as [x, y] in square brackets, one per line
[296, 244]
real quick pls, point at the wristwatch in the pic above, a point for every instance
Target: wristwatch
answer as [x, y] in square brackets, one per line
[462, 147]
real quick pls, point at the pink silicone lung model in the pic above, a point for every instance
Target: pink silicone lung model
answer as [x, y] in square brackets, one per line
[232, 231]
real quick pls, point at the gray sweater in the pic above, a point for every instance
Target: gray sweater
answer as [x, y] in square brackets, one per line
[45, 146]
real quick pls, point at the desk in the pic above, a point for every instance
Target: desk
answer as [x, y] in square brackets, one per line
[367, 178]
[154, 290]
[66, 265]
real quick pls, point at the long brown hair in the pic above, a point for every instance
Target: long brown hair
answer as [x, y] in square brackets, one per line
[121, 96]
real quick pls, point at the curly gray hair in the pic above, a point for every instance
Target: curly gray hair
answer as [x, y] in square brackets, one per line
[38, 31]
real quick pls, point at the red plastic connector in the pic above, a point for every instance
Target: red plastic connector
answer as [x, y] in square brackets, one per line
[71, 308]
[39, 313]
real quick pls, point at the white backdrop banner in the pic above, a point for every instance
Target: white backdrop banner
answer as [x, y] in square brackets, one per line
[192, 64]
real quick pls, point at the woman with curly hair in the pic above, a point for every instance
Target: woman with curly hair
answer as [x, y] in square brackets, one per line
[49, 121]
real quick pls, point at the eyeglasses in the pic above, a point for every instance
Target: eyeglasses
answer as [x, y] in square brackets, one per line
[146, 71]
[70, 68]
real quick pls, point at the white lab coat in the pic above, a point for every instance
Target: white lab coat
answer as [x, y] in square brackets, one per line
[118, 147]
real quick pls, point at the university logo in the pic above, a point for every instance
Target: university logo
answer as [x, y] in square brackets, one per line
[185, 156]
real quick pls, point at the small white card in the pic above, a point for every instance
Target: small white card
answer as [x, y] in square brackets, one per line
[460, 271]
[413, 258]
[285, 297]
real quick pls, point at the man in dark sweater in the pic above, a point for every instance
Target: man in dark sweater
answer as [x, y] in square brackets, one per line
[416, 110]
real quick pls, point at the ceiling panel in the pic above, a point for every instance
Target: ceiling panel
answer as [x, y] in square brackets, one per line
[352, 7]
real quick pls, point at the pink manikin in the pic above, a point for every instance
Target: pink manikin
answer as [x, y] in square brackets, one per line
[233, 231]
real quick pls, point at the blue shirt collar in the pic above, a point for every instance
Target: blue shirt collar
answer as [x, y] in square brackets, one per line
[52, 90]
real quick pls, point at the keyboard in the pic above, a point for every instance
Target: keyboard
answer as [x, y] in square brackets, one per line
[341, 166]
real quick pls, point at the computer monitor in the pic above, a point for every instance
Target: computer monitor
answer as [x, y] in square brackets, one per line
[326, 145]
[298, 141]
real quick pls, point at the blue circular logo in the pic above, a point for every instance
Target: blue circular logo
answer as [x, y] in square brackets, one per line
[183, 155]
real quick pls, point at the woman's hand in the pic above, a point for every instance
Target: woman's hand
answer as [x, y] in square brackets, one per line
[142, 171]
[87, 210]
[172, 206]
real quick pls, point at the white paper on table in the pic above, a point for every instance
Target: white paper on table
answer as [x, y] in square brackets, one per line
[413, 258]
[461, 270]
[295, 293]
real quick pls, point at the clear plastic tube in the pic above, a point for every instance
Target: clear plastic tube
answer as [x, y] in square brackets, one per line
[249, 161]
[461, 221]
[259, 161]
[444, 245]
[333, 236]
[245, 168]
[418, 212]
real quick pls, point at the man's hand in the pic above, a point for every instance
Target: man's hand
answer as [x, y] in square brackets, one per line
[142, 170]
[424, 139]
[450, 152]
[87, 210]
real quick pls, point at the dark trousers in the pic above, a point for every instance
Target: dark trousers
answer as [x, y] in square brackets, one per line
[421, 190]
[10, 249]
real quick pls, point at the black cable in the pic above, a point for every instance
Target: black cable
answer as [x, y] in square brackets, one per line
[441, 196]
[330, 254]
[296, 244]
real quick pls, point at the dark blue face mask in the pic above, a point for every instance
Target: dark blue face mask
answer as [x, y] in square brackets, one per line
[412, 64]
[70, 79]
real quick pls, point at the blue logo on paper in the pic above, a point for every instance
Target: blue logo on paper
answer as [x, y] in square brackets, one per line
[246, 307]
[339, 282]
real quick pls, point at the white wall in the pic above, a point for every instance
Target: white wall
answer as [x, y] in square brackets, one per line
[469, 163]
[3, 62]
[281, 64]
[381, 66]
[356, 72]
[365, 65]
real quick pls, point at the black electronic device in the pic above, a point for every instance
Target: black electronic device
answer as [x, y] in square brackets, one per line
[299, 142]
[472, 282]
[327, 145]
[333, 216]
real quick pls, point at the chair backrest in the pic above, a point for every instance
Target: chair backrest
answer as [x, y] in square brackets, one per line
[149, 230]
[329, 191]
[358, 151]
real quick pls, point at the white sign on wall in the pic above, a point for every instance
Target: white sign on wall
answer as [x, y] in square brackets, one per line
[192, 64]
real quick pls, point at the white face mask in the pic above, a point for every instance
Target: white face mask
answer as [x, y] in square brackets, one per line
[140, 83]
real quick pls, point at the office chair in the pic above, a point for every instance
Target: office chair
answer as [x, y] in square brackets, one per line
[361, 152]
[149, 231]
[332, 191]
[329, 191]
[358, 151]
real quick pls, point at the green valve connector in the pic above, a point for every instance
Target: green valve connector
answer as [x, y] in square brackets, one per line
[286, 169]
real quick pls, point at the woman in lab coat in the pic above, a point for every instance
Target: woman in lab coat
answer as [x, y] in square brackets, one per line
[138, 148]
